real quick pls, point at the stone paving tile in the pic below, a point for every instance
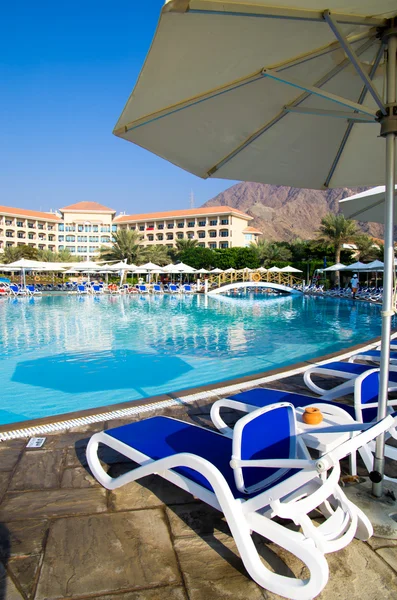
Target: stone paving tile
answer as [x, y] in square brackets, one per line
[21, 538]
[76, 457]
[8, 591]
[197, 518]
[376, 543]
[148, 492]
[9, 455]
[159, 593]
[24, 571]
[347, 568]
[213, 569]
[78, 477]
[65, 440]
[52, 503]
[97, 555]
[4, 481]
[39, 469]
[389, 555]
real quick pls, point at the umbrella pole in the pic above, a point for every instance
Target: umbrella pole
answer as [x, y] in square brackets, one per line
[387, 305]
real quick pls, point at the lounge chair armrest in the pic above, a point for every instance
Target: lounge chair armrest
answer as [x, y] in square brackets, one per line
[274, 463]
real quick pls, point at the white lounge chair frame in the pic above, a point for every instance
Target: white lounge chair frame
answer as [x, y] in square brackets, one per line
[314, 486]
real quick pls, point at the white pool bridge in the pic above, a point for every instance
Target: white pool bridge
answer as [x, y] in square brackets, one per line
[277, 287]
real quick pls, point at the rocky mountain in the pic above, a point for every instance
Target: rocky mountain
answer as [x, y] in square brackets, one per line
[285, 213]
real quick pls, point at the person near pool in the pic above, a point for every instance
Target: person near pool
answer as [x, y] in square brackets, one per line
[354, 284]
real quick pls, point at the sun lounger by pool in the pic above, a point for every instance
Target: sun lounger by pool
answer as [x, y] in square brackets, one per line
[157, 289]
[142, 289]
[16, 290]
[373, 356]
[365, 409]
[187, 289]
[348, 371]
[252, 478]
[33, 291]
[81, 289]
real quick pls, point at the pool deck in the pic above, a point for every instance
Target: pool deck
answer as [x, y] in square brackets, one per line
[63, 536]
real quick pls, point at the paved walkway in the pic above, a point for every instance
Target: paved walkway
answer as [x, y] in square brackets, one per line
[64, 536]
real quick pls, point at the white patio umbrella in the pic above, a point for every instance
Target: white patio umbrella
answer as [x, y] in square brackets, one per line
[149, 267]
[357, 266]
[202, 271]
[262, 270]
[375, 265]
[216, 271]
[368, 206]
[274, 270]
[296, 101]
[230, 270]
[183, 268]
[289, 269]
[335, 267]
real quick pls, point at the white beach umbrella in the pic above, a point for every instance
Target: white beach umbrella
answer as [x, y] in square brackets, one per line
[357, 266]
[216, 271]
[375, 265]
[202, 271]
[230, 270]
[287, 94]
[149, 267]
[274, 270]
[289, 269]
[262, 270]
[368, 206]
[183, 268]
[335, 267]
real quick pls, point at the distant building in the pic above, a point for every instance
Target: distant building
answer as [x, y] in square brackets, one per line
[84, 227]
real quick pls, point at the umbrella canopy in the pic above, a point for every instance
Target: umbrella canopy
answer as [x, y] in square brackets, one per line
[367, 206]
[149, 267]
[230, 270]
[262, 270]
[296, 101]
[202, 271]
[357, 266]
[375, 265]
[24, 263]
[183, 268]
[120, 266]
[274, 270]
[336, 267]
[71, 272]
[87, 265]
[289, 269]
[216, 270]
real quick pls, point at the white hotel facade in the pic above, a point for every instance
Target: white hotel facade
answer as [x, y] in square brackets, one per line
[84, 227]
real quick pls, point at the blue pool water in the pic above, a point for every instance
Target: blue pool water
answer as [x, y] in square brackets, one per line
[63, 353]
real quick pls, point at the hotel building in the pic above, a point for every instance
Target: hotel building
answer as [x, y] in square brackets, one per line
[84, 227]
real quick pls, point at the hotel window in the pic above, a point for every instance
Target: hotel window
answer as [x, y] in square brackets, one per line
[70, 238]
[190, 236]
[93, 249]
[149, 226]
[51, 238]
[214, 223]
[104, 240]
[212, 245]
[170, 236]
[30, 225]
[9, 244]
[224, 233]
[50, 227]
[41, 246]
[212, 233]
[201, 244]
[202, 223]
[181, 225]
[201, 234]
[19, 223]
[105, 229]
[40, 226]
[80, 238]
[191, 224]
[114, 228]
[160, 236]
[95, 238]
[224, 245]
[61, 238]
[150, 238]
[141, 228]
[61, 227]
[87, 228]
[80, 228]
[160, 226]
[9, 234]
[31, 236]
[71, 248]
[70, 228]
[41, 236]
[132, 227]
[21, 235]
[8, 222]
[248, 237]
[59, 247]
[179, 236]
[170, 226]
[95, 228]
[169, 245]
[224, 221]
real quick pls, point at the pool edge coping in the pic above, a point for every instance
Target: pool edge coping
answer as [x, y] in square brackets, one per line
[65, 421]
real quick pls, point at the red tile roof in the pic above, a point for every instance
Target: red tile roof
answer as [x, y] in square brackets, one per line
[31, 214]
[189, 212]
[87, 206]
[252, 230]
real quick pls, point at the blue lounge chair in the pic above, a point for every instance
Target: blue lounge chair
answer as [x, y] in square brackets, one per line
[348, 371]
[157, 289]
[16, 290]
[372, 356]
[81, 289]
[32, 291]
[96, 289]
[364, 410]
[252, 478]
[187, 289]
[173, 289]
[142, 289]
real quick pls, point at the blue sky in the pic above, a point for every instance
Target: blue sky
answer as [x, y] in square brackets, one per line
[66, 71]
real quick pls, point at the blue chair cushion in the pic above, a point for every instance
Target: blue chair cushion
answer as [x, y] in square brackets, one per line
[159, 437]
[263, 397]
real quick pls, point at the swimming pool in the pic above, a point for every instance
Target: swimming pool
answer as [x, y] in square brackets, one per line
[64, 353]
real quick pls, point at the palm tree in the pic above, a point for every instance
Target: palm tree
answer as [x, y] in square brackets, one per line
[14, 253]
[368, 249]
[337, 230]
[157, 254]
[126, 244]
[61, 256]
[182, 245]
[268, 253]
